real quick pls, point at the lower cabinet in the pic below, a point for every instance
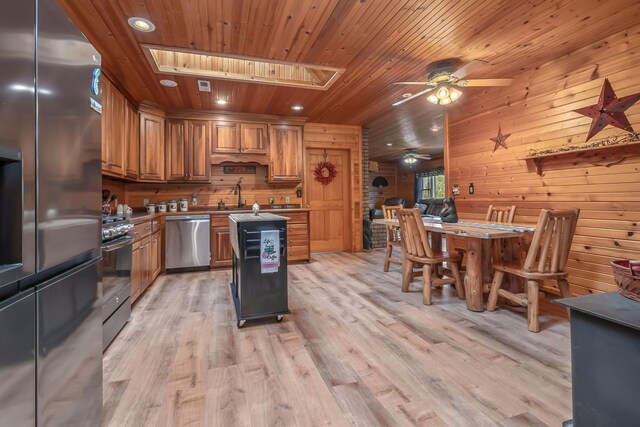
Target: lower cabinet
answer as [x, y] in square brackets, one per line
[146, 261]
[221, 250]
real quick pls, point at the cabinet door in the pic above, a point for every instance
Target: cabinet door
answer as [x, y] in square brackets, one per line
[221, 250]
[156, 262]
[132, 144]
[285, 153]
[146, 262]
[254, 138]
[176, 150]
[198, 148]
[136, 272]
[113, 117]
[151, 147]
[225, 138]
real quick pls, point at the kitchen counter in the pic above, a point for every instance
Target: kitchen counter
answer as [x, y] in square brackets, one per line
[143, 216]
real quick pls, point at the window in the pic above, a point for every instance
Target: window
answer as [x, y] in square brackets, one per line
[430, 184]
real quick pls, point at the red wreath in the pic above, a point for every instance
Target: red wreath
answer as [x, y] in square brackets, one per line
[325, 172]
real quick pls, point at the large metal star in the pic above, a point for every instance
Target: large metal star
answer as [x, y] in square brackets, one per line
[609, 110]
[500, 140]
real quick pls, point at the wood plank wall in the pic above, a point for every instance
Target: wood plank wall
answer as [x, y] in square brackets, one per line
[536, 111]
[318, 135]
[254, 188]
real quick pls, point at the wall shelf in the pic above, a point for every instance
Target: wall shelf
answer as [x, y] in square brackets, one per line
[538, 159]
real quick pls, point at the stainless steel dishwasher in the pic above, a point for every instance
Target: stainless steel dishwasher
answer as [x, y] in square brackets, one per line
[187, 244]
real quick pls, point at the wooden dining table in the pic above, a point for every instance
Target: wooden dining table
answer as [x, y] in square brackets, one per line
[479, 235]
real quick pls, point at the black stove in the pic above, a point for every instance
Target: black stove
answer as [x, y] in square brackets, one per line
[114, 227]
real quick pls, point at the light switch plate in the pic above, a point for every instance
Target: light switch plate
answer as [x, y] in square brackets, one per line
[145, 202]
[287, 199]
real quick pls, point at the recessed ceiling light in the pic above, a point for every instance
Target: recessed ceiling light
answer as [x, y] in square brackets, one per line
[389, 144]
[168, 83]
[141, 24]
[435, 128]
[222, 101]
[297, 107]
[407, 95]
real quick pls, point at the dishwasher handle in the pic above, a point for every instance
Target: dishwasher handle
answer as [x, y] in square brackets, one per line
[191, 218]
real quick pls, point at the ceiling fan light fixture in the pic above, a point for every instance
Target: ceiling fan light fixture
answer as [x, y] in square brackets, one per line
[433, 99]
[454, 94]
[410, 160]
[445, 101]
[442, 93]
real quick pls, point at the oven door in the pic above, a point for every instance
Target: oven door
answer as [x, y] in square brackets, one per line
[115, 273]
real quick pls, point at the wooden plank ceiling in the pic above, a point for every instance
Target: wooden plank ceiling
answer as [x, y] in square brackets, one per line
[377, 42]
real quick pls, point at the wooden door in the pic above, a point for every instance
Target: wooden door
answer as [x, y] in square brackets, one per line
[285, 153]
[132, 144]
[151, 147]
[176, 150]
[221, 250]
[198, 148]
[254, 138]
[225, 138]
[329, 218]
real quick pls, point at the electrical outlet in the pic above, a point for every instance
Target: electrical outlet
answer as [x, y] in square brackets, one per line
[287, 199]
[271, 200]
[145, 202]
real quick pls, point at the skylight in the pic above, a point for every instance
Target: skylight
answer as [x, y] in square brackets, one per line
[239, 68]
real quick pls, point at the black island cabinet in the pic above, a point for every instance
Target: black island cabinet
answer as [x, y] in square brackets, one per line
[605, 351]
[259, 268]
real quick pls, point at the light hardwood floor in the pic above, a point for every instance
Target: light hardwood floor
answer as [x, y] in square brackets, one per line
[354, 351]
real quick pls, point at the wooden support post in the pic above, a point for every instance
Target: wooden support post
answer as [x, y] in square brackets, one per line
[473, 280]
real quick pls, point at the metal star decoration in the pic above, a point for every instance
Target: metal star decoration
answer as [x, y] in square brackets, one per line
[500, 140]
[609, 110]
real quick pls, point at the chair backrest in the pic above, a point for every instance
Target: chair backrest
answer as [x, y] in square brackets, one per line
[501, 213]
[414, 237]
[389, 213]
[551, 242]
[394, 201]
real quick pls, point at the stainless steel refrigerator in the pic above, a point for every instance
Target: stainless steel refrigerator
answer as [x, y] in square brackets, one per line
[50, 314]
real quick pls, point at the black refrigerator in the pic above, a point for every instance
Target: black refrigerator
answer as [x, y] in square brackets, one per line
[50, 142]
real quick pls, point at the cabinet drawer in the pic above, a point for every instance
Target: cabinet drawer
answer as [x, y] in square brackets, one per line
[298, 240]
[298, 252]
[155, 226]
[141, 230]
[296, 217]
[219, 220]
[297, 229]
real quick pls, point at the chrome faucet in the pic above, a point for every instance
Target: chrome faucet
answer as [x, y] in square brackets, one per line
[238, 190]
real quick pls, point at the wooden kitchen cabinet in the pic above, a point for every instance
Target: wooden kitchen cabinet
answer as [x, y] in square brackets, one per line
[285, 154]
[152, 150]
[254, 138]
[146, 260]
[221, 250]
[225, 138]
[113, 129]
[187, 150]
[132, 144]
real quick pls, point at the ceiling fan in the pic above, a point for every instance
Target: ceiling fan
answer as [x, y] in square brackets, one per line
[411, 157]
[444, 80]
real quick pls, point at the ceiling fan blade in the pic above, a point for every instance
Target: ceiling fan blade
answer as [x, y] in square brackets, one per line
[489, 82]
[423, 156]
[410, 83]
[466, 69]
[415, 95]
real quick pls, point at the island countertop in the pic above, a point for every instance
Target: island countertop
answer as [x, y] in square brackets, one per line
[143, 216]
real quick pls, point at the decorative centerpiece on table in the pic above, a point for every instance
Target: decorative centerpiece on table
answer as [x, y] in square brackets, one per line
[449, 213]
[627, 276]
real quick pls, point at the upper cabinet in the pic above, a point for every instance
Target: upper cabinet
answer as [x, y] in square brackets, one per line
[132, 144]
[225, 138]
[285, 154]
[113, 129]
[151, 147]
[187, 150]
[254, 138]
